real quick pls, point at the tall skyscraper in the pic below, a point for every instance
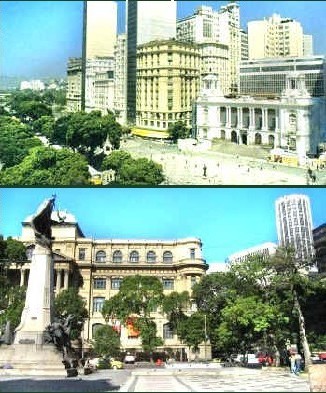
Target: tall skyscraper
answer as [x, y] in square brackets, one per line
[146, 21]
[274, 37]
[294, 225]
[101, 28]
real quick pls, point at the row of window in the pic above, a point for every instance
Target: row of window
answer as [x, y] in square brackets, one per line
[100, 283]
[117, 256]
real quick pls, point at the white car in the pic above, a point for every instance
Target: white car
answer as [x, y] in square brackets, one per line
[129, 359]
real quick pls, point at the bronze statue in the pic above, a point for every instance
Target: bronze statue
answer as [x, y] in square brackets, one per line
[41, 223]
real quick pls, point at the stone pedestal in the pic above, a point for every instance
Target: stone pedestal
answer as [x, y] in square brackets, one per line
[36, 315]
[29, 355]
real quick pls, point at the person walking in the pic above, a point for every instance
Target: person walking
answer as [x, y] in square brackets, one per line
[292, 363]
[298, 359]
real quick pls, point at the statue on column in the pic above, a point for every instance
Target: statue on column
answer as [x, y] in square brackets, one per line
[41, 223]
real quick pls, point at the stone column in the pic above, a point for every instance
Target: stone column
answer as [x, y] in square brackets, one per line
[22, 277]
[58, 281]
[240, 117]
[66, 279]
[264, 119]
[228, 116]
[218, 116]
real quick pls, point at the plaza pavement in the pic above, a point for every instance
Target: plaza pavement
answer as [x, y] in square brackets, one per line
[230, 168]
[233, 379]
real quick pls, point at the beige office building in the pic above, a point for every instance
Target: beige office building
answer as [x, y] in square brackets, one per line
[101, 28]
[99, 266]
[120, 79]
[275, 37]
[168, 75]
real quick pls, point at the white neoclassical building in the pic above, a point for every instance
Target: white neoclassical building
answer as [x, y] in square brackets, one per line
[294, 121]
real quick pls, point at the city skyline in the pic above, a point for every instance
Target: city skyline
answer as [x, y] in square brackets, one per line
[227, 220]
[40, 36]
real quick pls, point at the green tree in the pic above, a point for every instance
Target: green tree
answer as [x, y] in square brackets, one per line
[178, 130]
[12, 304]
[191, 330]
[106, 341]
[15, 141]
[29, 111]
[45, 126]
[46, 166]
[15, 251]
[115, 160]
[138, 297]
[69, 302]
[142, 172]
[175, 305]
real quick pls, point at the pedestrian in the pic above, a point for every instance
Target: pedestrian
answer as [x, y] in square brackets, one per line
[204, 170]
[298, 359]
[292, 363]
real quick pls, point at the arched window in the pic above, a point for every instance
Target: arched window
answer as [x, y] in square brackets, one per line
[167, 331]
[95, 327]
[258, 139]
[151, 257]
[134, 256]
[167, 257]
[100, 256]
[117, 256]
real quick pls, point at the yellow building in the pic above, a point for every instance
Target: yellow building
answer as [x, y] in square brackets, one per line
[99, 266]
[168, 74]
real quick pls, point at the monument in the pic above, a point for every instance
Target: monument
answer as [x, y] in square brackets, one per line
[32, 352]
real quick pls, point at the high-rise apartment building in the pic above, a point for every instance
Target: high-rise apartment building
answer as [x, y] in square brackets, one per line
[167, 83]
[101, 28]
[262, 251]
[207, 26]
[120, 79]
[146, 21]
[275, 37]
[294, 225]
[308, 49]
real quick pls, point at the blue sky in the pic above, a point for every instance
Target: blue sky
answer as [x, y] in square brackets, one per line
[37, 37]
[227, 220]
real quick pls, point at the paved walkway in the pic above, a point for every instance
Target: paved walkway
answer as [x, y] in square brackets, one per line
[217, 168]
[230, 380]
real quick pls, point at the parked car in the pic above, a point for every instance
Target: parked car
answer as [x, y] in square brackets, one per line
[322, 356]
[251, 360]
[129, 359]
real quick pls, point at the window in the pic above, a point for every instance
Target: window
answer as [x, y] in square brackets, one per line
[116, 282]
[151, 257]
[167, 331]
[98, 304]
[167, 257]
[192, 253]
[193, 281]
[100, 256]
[95, 327]
[168, 283]
[82, 254]
[117, 256]
[99, 283]
[134, 256]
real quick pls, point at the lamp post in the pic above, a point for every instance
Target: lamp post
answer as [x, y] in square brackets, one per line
[205, 331]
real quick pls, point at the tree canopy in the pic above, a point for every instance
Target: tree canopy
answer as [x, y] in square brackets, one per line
[178, 130]
[47, 166]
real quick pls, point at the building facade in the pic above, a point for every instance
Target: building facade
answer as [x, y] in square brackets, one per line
[267, 77]
[319, 236]
[295, 121]
[120, 79]
[294, 225]
[99, 266]
[74, 84]
[168, 74]
[146, 21]
[99, 85]
[275, 37]
[207, 26]
[263, 251]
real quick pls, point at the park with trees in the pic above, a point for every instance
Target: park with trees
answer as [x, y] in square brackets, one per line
[41, 145]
